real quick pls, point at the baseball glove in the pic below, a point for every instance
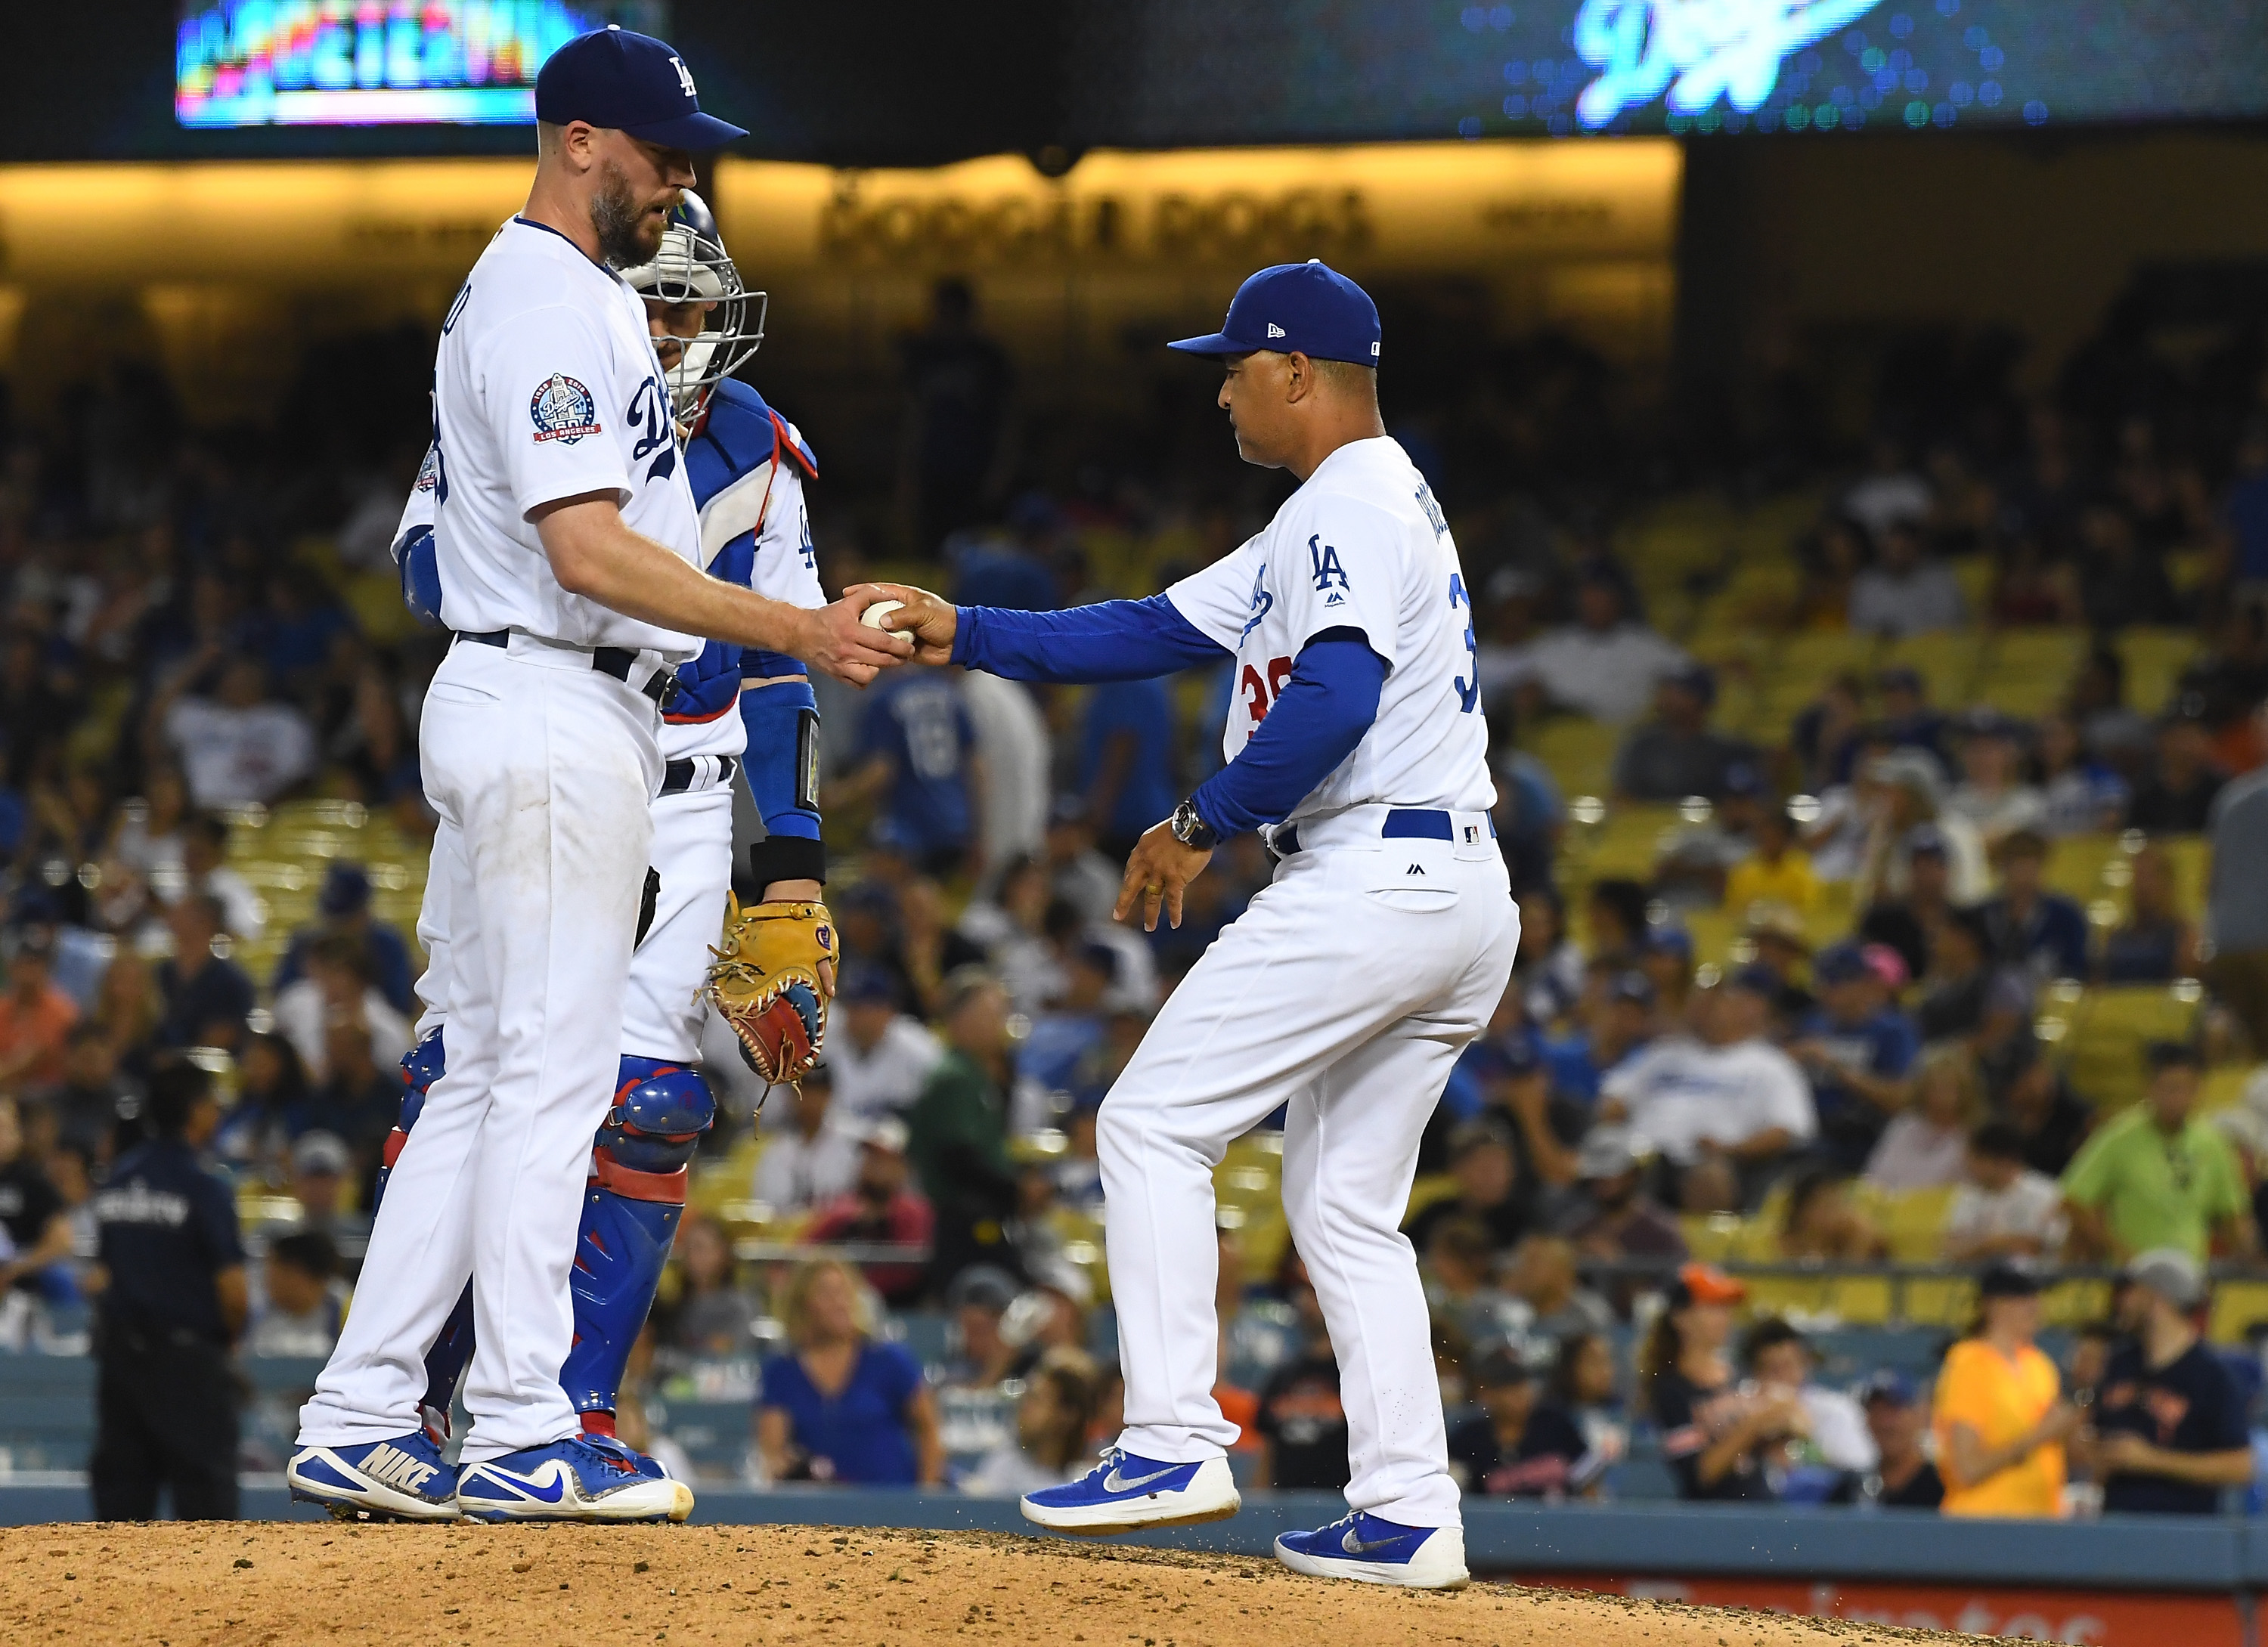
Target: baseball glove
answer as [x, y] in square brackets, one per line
[766, 983]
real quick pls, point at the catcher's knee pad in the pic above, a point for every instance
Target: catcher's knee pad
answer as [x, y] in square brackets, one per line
[640, 1162]
[421, 1065]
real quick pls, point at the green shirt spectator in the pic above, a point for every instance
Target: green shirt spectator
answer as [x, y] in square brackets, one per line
[957, 1130]
[2157, 1176]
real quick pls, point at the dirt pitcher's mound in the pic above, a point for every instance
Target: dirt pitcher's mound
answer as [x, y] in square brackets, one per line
[258, 1583]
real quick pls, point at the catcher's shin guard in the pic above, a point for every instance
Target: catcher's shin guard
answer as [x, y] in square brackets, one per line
[452, 1351]
[639, 1166]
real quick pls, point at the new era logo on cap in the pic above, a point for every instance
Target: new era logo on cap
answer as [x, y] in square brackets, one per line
[1296, 308]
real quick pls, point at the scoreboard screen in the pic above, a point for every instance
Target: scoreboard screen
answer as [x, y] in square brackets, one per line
[375, 63]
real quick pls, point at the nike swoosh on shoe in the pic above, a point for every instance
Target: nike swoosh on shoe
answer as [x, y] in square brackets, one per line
[1114, 1482]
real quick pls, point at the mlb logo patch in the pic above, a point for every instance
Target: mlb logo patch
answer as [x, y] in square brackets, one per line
[562, 410]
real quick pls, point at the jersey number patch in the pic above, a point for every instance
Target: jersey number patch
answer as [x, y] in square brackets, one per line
[1259, 694]
[1469, 692]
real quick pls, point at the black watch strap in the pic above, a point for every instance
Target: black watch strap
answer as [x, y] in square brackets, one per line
[1191, 830]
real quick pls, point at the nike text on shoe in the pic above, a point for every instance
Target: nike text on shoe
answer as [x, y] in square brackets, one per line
[403, 1479]
[1124, 1494]
[1372, 1550]
[583, 1478]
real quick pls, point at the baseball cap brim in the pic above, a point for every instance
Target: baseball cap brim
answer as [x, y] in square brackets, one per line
[1213, 343]
[695, 130]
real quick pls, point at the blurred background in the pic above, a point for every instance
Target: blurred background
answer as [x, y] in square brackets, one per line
[1852, 417]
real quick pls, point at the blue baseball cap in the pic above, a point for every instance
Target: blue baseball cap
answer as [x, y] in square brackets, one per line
[1296, 308]
[628, 82]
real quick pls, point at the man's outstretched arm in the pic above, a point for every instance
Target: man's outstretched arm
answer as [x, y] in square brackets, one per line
[1111, 640]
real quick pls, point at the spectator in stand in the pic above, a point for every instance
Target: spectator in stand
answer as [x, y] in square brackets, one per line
[2176, 798]
[1826, 734]
[1909, 720]
[1611, 1216]
[1890, 494]
[1907, 591]
[1820, 1225]
[1999, 1418]
[32, 1217]
[2159, 1175]
[1127, 771]
[879, 1054]
[712, 1317]
[1731, 1100]
[1898, 1418]
[271, 1088]
[321, 1162]
[1777, 874]
[237, 748]
[918, 757]
[1993, 794]
[1548, 971]
[1604, 665]
[35, 1016]
[1909, 796]
[1836, 1448]
[2237, 904]
[204, 868]
[1857, 1049]
[976, 1304]
[1459, 1290]
[1955, 989]
[1484, 1162]
[813, 1159]
[2037, 932]
[1927, 1147]
[1667, 961]
[1072, 1025]
[1516, 1447]
[958, 1130]
[303, 1302]
[1715, 1436]
[2080, 793]
[2245, 516]
[842, 1405]
[881, 1208]
[1011, 931]
[129, 1007]
[1052, 1419]
[1587, 1386]
[1516, 1088]
[357, 1101]
[173, 1298]
[1302, 1423]
[2049, 1121]
[1541, 1278]
[2121, 581]
[336, 987]
[342, 910]
[1676, 754]
[92, 1097]
[2169, 1421]
[956, 449]
[2156, 943]
[1075, 869]
[207, 998]
[1616, 1018]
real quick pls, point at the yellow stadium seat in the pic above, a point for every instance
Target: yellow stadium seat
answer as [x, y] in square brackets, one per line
[1949, 662]
[1712, 1237]
[2076, 867]
[1628, 842]
[2154, 659]
[2237, 1305]
[2025, 672]
[2102, 1053]
[1912, 1221]
[1578, 754]
[2224, 1088]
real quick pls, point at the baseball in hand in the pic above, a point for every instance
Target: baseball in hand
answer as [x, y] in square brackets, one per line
[878, 616]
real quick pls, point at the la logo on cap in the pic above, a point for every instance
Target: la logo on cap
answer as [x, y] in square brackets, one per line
[684, 76]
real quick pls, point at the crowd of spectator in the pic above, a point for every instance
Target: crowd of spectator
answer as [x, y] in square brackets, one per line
[186, 640]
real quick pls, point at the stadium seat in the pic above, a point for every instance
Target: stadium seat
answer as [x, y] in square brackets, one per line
[2154, 660]
[1948, 662]
[2101, 1053]
[2025, 672]
[1578, 754]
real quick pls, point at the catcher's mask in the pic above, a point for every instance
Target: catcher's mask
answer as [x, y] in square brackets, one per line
[692, 267]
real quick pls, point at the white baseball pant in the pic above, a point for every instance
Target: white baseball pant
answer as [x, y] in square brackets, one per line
[663, 1010]
[544, 768]
[1346, 991]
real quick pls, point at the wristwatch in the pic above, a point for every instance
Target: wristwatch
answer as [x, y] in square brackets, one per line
[1193, 831]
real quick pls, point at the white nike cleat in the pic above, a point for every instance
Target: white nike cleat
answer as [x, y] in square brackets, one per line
[1124, 1494]
[1372, 1550]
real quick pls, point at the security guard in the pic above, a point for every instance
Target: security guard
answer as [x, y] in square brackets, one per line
[173, 1300]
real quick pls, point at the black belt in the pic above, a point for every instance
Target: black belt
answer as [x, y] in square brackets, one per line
[1403, 823]
[661, 686]
[678, 775]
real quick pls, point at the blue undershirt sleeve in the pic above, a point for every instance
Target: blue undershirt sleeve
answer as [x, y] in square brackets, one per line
[1111, 640]
[779, 746]
[1314, 723]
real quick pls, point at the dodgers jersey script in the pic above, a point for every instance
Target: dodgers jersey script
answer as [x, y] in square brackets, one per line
[535, 404]
[1361, 546]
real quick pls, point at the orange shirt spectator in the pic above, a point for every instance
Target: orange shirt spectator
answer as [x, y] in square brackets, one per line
[2000, 1417]
[35, 1016]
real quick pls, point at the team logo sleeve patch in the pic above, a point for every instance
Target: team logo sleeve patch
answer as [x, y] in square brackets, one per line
[562, 410]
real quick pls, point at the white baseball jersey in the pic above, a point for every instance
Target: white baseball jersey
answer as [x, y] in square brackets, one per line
[537, 401]
[1361, 546]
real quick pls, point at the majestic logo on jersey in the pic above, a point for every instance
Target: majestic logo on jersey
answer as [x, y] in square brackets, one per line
[1261, 601]
[1330, 574]
[562, 410]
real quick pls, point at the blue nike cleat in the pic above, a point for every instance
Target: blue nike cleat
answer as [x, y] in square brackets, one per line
[1372, 1550]
[404, 1479]
[1124, 1494]
[583, 1478]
